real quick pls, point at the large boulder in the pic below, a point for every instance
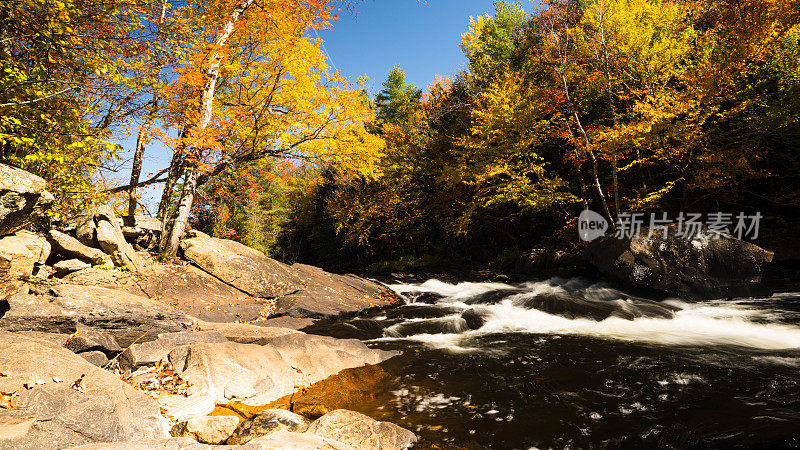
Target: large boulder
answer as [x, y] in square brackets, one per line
[151, 352]
[240, 266]
[36, 244]
[258, 374]
[68, 246]
[64, 308]
[267, 422]
[327, 294]
[300, 290]
[287, 440]
[61, 400]
[318, 357]
[707, 266]
[16, 263]
[361, 432]
[112, 241]
[141, 231]
[231, 371]
[22, 196]
[68, 266]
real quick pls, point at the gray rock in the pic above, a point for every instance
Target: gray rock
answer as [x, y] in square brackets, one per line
[16, 261]
[36, 244]
[361, 432]
[257, 375]
[301, 291]
[240, 266]
[89, 340]
[267, 422]
[22, 197]
[206, 430]
[66, 267]
[96, 358]
[176, 443]
[51, 414]
[86, 231]
[143, 232]
[318, 357]
[704, 267]
[326, 294]
[68, 246]
[229, 371]
[149, 353]
[112, 241]
[64, 308]
[245, 333]
[286, 440]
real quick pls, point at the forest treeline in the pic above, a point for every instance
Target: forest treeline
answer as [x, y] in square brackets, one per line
[613, 105]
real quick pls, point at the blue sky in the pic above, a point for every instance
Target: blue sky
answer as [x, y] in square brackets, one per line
[421, 37]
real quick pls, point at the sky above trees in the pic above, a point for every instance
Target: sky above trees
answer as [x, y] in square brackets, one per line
[421, 37]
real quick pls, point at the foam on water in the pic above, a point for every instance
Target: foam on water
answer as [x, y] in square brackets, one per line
[705, 323]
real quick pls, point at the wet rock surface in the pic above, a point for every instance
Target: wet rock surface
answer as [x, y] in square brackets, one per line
[707, 266]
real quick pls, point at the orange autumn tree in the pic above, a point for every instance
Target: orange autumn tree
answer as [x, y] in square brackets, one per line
[254, 84]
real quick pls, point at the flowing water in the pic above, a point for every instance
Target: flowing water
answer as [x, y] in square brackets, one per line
[568, 363]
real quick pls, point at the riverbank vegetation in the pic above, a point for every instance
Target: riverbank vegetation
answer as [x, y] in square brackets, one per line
[614, 105]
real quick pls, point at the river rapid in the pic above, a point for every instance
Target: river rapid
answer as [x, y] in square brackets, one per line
[571, 363]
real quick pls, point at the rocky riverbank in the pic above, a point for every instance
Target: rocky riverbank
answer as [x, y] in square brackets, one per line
[103, 347]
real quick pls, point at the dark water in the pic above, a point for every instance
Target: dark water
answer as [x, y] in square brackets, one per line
[565, 363]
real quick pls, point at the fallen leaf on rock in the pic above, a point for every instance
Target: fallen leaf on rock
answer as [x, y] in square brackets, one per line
[5, 399]
[78, 384]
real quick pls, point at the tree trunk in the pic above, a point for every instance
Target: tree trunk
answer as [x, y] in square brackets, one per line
[181, 214]
[136, 170]
[138, 154]
[599, 9]
[178, 226]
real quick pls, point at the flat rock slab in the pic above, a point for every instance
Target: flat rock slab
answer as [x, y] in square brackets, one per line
[286, 440]
[240, 266]
[300, 291]
[52, 414]
[318, 357]
[361, 432]
[65, 308]
[183, 287]
[244, 333]
[327, 294]
[259, 374]
[176, 443]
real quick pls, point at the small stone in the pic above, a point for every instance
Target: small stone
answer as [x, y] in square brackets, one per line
[97, 358]
[267, 422]
[88, 340]
[68, 266]
[206, 430]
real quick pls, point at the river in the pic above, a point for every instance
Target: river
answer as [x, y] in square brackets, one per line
[570, 363]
